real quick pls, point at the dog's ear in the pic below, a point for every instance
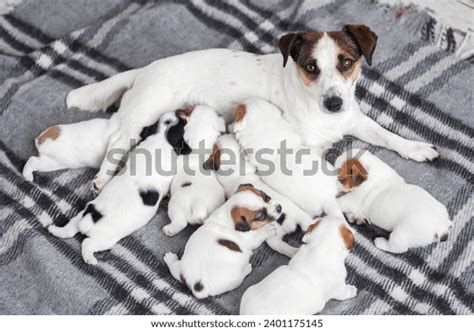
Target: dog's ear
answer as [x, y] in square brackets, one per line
[184, 113]
[290, 45]
[214, 160]
[239, 217]
[243, 187]
[352, 173]
[313, 226]
[347, 237]
[365, 38]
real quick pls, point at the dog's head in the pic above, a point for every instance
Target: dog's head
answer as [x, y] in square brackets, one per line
[328, 63]
[330, 228]
[252, 208]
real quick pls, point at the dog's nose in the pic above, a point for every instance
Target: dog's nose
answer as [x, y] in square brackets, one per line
[278, 209]
[333, 104]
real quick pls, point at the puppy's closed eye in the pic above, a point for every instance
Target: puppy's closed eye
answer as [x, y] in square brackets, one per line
[261, 214]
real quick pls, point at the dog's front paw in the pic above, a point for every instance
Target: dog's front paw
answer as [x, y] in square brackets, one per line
[170, 257]
[98, 184]
[351, 291]
[169, 230]
[381, 243]
[419, 151]
[359, 220]
[270, 229]
[90, 259]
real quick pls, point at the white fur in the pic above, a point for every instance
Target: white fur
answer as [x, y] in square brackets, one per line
[193, 203]
[313, 276]
[411, 214]
[183, 79]
[263, 127]
[78, 145]
[217, 268]
[122, 208]
[233, 174]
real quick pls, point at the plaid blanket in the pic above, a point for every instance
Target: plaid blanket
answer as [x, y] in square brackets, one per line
[418, 87]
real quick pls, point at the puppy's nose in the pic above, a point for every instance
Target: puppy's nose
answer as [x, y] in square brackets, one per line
[333, 104]
[278, 208]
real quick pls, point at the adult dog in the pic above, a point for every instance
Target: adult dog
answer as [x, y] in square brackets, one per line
[314, 86]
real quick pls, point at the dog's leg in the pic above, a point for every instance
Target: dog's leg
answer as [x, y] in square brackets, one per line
[93, 245]
[370, 131]
[277, 244]
[395, 244]
[67, 231]
[174, 264]
[39, 163]
[345, 292]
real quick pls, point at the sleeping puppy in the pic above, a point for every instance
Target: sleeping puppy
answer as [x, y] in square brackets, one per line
[195, 193]
[300, 175]
[131, 198]
[313, 276]
[233, 169]
[370, 190]
[216, 257]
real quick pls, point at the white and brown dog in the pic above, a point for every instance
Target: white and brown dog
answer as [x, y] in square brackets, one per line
[313, 276]
[195, 192]
[275, 149]
[233, 170]
[130, 200]
[314, 87]
[371, 191]
[216, 257]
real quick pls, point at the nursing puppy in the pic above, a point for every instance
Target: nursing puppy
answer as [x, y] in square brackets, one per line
[195, 193]
[216, 257]
[233, 169]
[300, 175]
[131, 198]
[371, 191]
[313, 276]
[312, 80]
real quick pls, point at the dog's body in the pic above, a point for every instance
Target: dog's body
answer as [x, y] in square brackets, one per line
[313, 276]
[314, 88]
[373, 191]
[233, 174]
[70, 146]
[195, 193]
[130, 200]
[300, 174]
[216, 256]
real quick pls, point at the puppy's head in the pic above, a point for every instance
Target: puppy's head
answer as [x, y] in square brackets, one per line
[203, 126]
[252, 208]
[333, 229]
[328, 63]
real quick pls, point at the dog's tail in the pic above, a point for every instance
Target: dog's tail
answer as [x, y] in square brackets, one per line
[101, 95]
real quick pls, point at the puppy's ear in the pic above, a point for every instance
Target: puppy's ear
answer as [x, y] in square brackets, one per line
[184, 113]
[352, 173]
[347, 237]
[214, 160]
[290, 45]
[239, 218]
[313, 226]
[365, 38]
[244, 187]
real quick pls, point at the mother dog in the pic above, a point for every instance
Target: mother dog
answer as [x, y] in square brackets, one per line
[314, 87]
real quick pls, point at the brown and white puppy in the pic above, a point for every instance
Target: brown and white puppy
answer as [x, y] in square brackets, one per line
[216, 257]
[313, 276]
[314, 88]
[371, 191]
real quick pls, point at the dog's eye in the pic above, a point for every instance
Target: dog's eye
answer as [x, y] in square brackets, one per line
[167, 122]
[310, 67]
[260, 214]
[347, 62]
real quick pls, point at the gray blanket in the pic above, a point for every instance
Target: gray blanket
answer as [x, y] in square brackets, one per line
[420, 86]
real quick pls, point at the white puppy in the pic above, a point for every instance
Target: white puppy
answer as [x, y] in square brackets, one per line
[313, 276]
[216, 257]
[298, 172]
[69, 146]
[131, 198]
[195, 193]
[233, 169]
[371, 190]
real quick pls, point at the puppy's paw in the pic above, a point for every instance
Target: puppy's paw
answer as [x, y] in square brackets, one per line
[97, 185]
[83, 98]
[381, 243]
[90, 259]
[270, 229]
[351, 291]
[359, 220]
[168, 230]
[170, 257]
[418, 151]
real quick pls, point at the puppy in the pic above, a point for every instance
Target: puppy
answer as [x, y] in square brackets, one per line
[302, 175]
[195, 193]
[371, 190]
[313, 276]
[216, 257]
[131, 198]
[233, 169]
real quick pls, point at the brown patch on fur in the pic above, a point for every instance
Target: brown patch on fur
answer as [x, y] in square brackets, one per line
[240, 112]
[245, 220]
[347, 237]
[184, 112]
[313, 226]
[52, 133]
[250, 187]
[352, 174]
[229, 244]
[214, 160]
